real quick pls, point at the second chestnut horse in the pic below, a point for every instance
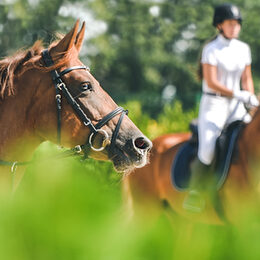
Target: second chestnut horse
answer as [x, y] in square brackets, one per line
[152, 184]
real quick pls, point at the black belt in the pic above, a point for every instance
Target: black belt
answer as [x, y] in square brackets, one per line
[213, 94]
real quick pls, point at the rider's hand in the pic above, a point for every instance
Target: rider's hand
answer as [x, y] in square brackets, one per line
[246, 97]
[254, 101]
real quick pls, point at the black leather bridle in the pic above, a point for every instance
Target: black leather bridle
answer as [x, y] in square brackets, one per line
[60, 88]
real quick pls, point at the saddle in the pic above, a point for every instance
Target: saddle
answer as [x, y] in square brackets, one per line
[225, 153]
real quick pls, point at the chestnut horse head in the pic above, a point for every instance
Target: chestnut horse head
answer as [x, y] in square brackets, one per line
[50, 95]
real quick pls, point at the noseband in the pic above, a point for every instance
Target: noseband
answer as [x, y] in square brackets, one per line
[60, 88]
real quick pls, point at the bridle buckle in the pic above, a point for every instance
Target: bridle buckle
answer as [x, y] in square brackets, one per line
[13, 167]
[78, 149]
[58, 96]
[60, 85]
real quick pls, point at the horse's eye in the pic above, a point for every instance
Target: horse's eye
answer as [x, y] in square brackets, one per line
[86, 86]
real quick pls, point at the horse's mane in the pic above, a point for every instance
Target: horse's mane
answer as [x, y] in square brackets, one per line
[9, 66]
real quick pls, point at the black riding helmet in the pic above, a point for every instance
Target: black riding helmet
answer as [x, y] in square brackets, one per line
[226, 12]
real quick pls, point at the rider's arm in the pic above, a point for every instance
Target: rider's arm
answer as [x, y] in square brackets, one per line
[246, 79]
[210, 76]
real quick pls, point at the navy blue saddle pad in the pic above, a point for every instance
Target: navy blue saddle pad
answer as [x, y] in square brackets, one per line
[225, 152]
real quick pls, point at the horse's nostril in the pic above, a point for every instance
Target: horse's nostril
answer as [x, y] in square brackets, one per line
[142, 143]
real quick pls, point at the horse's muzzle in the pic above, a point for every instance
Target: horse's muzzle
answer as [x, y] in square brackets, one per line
[132, 154]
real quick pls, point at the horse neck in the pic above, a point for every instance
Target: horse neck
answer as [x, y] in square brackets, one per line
[17, 140]
[251, 138]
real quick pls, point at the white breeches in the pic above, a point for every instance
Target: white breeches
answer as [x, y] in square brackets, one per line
[214, 114]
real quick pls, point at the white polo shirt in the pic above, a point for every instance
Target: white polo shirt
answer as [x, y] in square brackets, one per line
[230, 57]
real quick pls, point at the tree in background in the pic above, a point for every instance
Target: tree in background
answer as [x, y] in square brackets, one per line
[23, 22]
[141, 52]
[154, 43]
[146, 45]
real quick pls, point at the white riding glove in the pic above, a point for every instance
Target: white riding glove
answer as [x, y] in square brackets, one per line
[246, 97]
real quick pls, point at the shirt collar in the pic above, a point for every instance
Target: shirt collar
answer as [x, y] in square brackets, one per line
[224, 41]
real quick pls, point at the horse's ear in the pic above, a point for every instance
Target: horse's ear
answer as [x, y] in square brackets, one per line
[80, 37]
[68, 40]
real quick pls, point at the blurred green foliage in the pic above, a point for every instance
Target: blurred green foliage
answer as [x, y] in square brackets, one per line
[68, 209]
[172, 119]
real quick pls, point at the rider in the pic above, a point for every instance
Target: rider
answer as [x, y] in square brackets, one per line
[224, 63]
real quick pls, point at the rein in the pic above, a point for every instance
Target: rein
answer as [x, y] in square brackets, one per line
[61, 88]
